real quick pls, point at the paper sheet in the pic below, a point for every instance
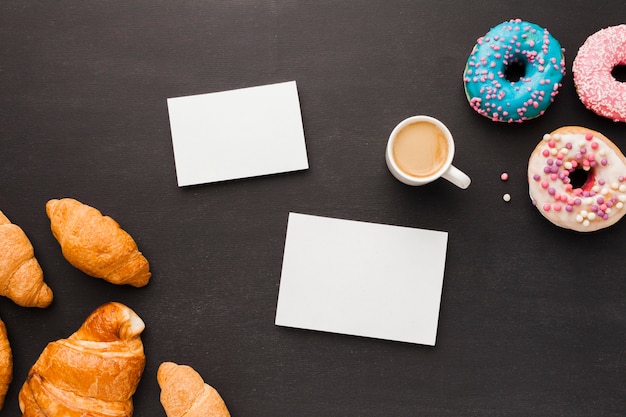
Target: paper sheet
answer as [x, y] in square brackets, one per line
[237, 134]
[362, 279]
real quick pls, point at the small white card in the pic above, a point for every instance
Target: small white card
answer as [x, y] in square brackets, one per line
[362, 279]
[237, 134]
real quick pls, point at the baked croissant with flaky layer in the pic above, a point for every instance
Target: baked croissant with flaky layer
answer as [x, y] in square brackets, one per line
[21, 277]
[184, 393]
[96, 244]
[6, 363]
[93, 373]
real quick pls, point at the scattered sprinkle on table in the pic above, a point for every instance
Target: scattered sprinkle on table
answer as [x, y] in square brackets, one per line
[504, 176]
[506, 197]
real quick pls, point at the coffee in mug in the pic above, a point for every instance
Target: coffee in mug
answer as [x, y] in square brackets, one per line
[420, 150]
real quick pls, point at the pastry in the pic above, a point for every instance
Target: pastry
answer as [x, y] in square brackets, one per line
[21, 277]
[92, 373]
[6, 363]
[595, 84]
[577, 179]
[514, 72]
[96, 244]
[184, 393]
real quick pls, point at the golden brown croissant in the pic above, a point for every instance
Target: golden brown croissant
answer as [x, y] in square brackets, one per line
[21, 277]
[184, 393]
[92, 373]
[6, 363]
[96, 244]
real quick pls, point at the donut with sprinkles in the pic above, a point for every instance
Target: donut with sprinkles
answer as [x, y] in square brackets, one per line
[592, 69]
[577, 179]
[514, 72]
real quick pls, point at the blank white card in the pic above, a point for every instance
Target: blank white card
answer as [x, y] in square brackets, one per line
[361, 279]
[237, 133]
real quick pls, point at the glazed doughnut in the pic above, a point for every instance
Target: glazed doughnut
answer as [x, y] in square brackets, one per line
[598, 90]
[514, 72]
[572, 155]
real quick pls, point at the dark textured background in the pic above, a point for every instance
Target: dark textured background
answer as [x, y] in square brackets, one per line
[533, 318]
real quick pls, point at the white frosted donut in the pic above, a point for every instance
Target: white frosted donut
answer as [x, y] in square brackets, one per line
[577, 179]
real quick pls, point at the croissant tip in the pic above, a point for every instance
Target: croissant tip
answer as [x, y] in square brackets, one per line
[50, 205]
[164, 370]
[166, 365]
[45, 297]
[133, 324]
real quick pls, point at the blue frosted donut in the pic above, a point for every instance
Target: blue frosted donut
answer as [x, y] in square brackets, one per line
[514, 72]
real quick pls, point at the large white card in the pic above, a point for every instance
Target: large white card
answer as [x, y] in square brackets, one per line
[237, 134]
[362, 279]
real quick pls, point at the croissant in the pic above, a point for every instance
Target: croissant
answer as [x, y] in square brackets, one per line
[6, 363]
[96, 244]
[184, 393]
[93, 373]
[21, 277]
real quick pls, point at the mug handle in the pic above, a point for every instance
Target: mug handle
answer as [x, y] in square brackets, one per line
[457, 177]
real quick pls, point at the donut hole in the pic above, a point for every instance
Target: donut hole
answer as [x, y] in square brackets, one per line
[619, 73]
[578, 178]
[515, 70]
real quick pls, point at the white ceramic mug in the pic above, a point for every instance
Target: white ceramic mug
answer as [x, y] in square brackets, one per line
[420, 150]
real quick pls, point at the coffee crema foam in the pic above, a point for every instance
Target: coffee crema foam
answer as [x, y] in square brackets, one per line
[420, 149]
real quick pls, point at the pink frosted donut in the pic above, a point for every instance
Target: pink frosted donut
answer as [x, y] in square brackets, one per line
[576, 179]
[598, 90]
